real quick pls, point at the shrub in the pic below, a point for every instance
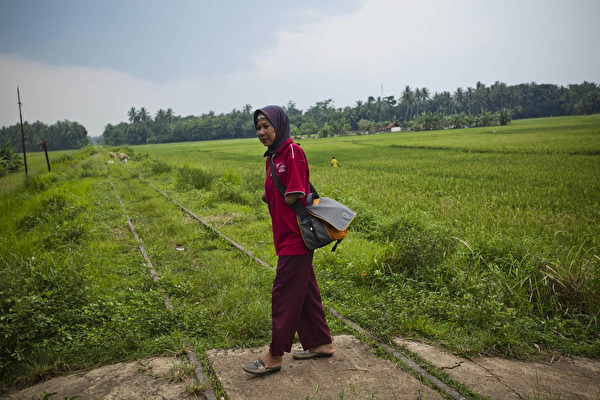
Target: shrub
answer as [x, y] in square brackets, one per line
[159, 167]
[10, 160]
[366, 218]
[254, 180]
[54, 208]
[416, 247]
[198, 178]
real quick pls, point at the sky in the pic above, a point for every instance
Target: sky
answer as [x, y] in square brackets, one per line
[90, 61]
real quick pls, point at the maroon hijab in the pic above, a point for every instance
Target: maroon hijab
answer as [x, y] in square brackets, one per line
[280, 121]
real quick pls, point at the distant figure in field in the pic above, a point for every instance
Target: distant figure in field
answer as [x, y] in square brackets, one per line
[334, 163]
[112, 155]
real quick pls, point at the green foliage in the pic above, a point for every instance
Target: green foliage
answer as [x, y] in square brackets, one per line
[159, 167]
[60, 136]
[51, 208]
[415, 246]
[416, 109]
[198, 178]
[504, 117]
[365, 125]
[10, 161]
[46, 396]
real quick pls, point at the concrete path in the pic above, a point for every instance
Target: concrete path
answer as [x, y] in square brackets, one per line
[161, 378]
[352, 373]
[498, 378]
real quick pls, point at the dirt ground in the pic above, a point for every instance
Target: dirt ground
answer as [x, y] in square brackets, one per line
[353, 373]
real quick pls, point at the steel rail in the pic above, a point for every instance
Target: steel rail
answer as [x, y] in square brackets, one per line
[413, 366]
[198, 371]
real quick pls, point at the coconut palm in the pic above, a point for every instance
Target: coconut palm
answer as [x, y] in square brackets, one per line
[408, 99]
[459, 99]
[133, 115]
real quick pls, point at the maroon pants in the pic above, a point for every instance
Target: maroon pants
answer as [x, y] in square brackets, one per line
[296, 306]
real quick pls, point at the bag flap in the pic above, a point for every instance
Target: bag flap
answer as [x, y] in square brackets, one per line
[336, 214]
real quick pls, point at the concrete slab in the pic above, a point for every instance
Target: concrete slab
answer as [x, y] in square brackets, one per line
[498, 378]
[352, 373]
[150, 379]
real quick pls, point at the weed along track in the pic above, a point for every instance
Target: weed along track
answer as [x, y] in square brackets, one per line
[199, 373]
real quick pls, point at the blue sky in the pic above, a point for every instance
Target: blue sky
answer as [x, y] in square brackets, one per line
[90, 61]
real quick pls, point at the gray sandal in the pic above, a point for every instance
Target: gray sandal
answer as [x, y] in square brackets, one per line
[258, 368]
[306, 354]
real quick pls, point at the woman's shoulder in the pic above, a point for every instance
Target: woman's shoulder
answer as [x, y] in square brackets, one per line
[294, 151]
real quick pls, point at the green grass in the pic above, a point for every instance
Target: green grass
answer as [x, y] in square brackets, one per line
[484, 243]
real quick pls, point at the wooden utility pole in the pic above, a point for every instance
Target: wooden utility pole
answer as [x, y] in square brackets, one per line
[44, 145]
[22, 132]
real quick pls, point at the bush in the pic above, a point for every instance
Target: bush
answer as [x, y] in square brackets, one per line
[198, 178]
[10, 160]
[416, 247]
[230, 189]
[366, 219]
[159, 167]
[54, 208]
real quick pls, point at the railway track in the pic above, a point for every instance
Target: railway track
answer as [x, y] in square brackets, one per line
[411, 366]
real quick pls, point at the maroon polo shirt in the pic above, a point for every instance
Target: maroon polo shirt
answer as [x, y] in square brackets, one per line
[292, 170]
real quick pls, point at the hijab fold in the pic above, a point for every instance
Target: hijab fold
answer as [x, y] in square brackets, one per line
[280, 121]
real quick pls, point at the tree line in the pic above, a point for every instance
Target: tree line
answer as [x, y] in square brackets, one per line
[414, 108]
[63, 135]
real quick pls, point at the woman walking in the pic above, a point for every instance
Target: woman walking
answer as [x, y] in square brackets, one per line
[295, 299]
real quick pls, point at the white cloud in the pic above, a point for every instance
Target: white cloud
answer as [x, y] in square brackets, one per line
[97, 96]
[386, 42]
[436, 44]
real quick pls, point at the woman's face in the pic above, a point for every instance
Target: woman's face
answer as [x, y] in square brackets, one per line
[265, 132]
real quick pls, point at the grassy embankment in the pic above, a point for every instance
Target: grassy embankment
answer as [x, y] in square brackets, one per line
[481, 242]
[75, 291]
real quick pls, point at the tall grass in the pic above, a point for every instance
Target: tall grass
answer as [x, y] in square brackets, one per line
[75, 292]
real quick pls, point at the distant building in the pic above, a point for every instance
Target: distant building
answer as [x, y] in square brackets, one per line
[391, 127]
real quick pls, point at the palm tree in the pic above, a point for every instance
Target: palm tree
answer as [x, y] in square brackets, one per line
[459, 99]
[143, 115]
[353, 115]
[133, 116]
[408, 99]
[498, 94]
[469, 95]
[417, 98]
[481, 96]
[424, 94]
[380, 108]
[160, 116]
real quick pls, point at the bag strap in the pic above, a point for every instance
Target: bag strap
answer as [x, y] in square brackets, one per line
[297, 206]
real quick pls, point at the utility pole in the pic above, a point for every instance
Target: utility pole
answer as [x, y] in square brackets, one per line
[22, 132]
[44, 145]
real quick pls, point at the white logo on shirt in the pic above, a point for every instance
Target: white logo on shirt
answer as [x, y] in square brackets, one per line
[280, 167]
